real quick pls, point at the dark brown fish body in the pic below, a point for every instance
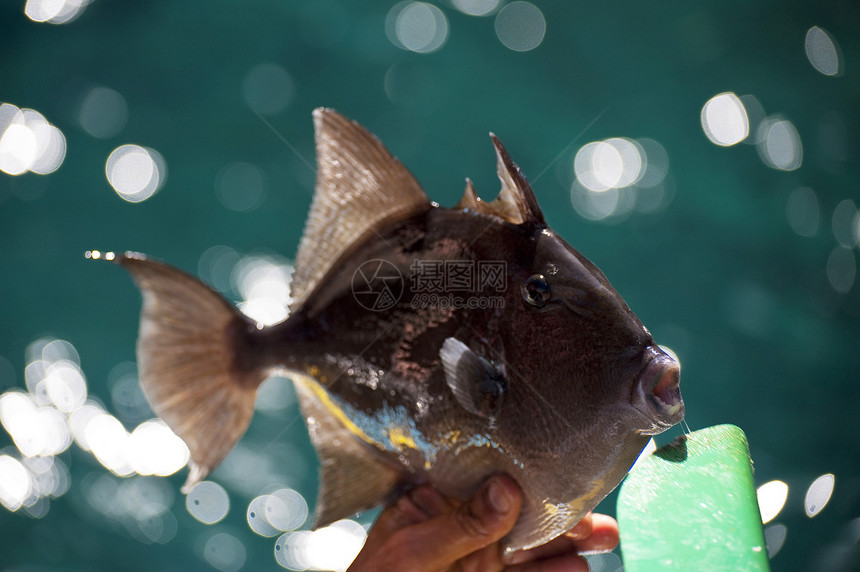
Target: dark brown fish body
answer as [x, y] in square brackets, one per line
[433, 345]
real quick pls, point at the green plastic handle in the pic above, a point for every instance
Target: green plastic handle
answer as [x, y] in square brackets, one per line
[691, 505]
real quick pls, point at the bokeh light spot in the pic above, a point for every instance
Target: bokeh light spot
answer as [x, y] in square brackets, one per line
[268, 89]
[818, 494]
[842, 223]
[140, 504]
[413, 85]
[774, 538]
[54, 11]
[156, 450]
[241, 186]
[476, 7]
[611, 164]
[520, 26]
[595, 205]
[35, 430]
[598, 166]
[724, 119]
[34, 375]
[17, 143]
[264, 284]
[55, 410]
[778, 144]
[256, 516]
[855, 226]
[51, 150]
[52, 350]
[99, 255]
[224, 552]
[283, 510]
[290, 550]
[331, 548]
[632, 159]
[771, 498]
[135, 172]
[755, 115]
[15, 483]
[803, 211]
[286, 509]
[49, 475]
[65, 386]
[152, 523]
[127, 397]
[28, 142]
[108, 441]
[80, 419]
[823, 52]
[655, 160]
[216, 265]
[841, 269]
[416, 26]
[17, 149]
[103, 113]
[9, 114]
[208, 502]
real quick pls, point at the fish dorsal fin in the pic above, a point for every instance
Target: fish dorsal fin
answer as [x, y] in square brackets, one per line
[476, 383]
[516, 202]
[470, 198]
[352, 478]
[359, 184]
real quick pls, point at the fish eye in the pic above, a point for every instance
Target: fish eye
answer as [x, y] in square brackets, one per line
[536, 291]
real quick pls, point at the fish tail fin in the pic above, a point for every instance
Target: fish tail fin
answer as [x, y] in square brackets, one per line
[195, 361]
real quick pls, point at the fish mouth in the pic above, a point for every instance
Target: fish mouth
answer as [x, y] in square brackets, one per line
[657, 392]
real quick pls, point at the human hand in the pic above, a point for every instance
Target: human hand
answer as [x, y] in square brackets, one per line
[425, 531]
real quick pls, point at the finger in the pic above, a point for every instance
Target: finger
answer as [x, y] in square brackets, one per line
[559, 546]
[594, 533]
[389, 521]
[431, 502]
[583, 528]
[487, 559]
[477, 523]
[418, 505]
[604, 535]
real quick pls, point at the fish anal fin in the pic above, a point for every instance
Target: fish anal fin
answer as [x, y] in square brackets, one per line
[352, 478]
[476, 384]
[187, 351]
[359, 184]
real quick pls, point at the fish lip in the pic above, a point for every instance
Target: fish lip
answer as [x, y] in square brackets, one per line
[657, 392]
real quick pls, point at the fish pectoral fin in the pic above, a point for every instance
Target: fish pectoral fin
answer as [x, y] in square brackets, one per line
[352, 478]
[478, 386]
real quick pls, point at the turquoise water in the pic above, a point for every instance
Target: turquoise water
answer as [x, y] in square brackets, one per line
[705, 157]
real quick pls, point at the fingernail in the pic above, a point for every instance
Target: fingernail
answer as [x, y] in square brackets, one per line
[603, 542]
[498, 497]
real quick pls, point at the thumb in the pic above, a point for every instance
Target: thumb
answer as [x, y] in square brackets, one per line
[477, 523]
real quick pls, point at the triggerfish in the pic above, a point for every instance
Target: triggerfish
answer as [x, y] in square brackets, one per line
[426, 344]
